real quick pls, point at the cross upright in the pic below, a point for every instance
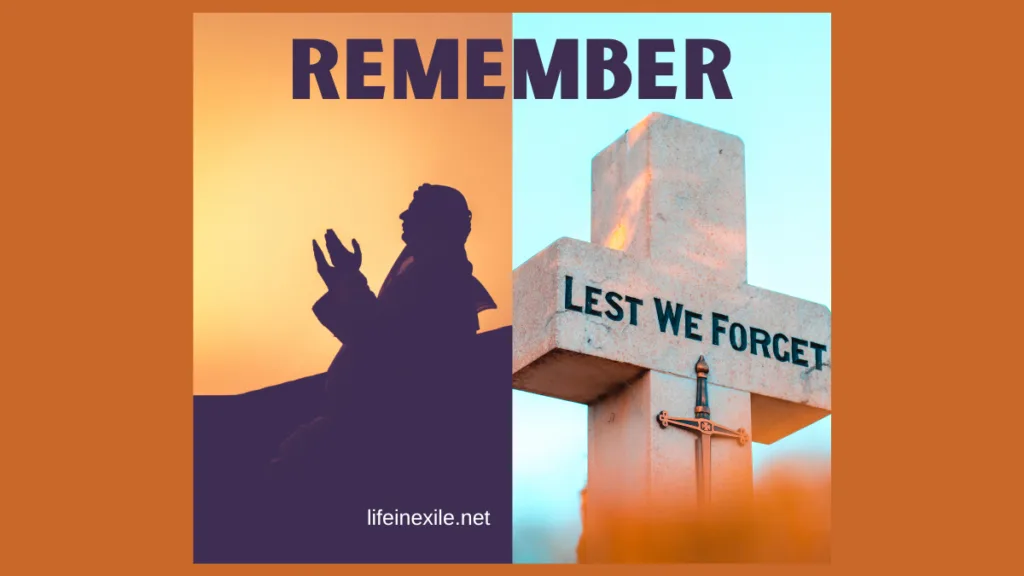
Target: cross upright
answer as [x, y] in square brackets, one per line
[619, 322]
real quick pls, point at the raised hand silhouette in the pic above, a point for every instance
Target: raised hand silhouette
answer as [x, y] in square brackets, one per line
[345, 263]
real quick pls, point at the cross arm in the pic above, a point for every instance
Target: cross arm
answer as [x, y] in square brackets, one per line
[564, 352]
[719, 430]
[689, 423]
[703, 426]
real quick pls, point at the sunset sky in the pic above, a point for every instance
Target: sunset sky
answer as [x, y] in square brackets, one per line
[272, 173]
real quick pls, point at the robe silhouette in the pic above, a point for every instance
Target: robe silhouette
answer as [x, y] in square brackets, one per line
[404, 393]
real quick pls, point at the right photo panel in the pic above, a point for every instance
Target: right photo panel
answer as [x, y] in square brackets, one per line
[672, 325]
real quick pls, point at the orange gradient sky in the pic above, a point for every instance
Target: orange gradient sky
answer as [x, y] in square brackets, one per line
[272, 173]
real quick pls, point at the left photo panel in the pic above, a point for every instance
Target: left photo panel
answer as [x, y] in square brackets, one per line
[352, 294]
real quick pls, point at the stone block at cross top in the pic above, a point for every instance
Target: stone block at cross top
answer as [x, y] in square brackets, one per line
[672, 192]
[662, 282]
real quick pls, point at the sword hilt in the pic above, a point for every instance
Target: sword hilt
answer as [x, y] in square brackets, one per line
[703, 408]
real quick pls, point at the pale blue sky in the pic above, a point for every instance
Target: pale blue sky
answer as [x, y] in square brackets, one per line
[780, 76]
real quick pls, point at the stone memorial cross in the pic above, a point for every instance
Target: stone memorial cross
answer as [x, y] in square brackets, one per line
[618, 324]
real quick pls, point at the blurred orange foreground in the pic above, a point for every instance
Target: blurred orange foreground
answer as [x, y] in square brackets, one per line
[788, 520]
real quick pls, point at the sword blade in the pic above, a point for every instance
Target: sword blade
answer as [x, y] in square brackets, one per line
[704, 468]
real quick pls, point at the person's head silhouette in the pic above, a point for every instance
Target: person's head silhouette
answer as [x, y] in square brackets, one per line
[438, 220]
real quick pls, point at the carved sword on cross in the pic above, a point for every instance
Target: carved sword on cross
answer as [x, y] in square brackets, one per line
[705, 428]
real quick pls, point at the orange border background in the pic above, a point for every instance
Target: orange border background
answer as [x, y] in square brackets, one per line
[98, 278]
